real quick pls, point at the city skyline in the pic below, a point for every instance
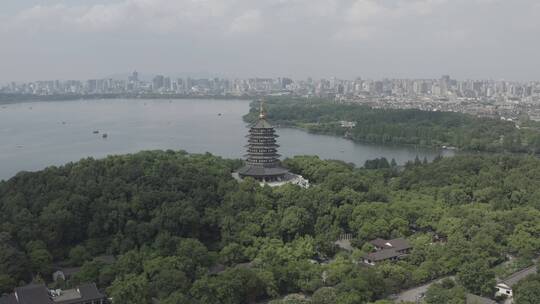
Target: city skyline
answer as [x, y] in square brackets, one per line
[506, 100]
[148, 76]
[474, 39]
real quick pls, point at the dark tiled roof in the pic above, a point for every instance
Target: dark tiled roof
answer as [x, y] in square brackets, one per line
[397, 244]
[262, 171]
[86, 293]
[39, 294]
[90, 292]
[8, 299]
[518, 276]
[33, 294]
[382, 255]
[400, 244]
[379, 243]
[388, 249]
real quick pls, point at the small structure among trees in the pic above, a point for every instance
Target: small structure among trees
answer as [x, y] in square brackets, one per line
[38, 293]
[504, 287]
[385, 250]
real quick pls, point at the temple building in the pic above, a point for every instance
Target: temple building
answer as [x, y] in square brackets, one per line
[40, 294]
[262, 158]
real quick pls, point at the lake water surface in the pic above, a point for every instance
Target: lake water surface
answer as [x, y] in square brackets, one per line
[39, 134]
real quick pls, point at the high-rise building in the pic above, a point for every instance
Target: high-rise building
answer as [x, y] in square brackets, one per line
[285, 82]
[158, 82]
[167, 83]
[134, 77]
[91, 85]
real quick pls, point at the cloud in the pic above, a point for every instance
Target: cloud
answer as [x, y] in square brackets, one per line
[147, 15]
[366, 10]
[341, 19]
[249, 22]
[366, 18]
[321, 36]
[171, 16]
[307, 8]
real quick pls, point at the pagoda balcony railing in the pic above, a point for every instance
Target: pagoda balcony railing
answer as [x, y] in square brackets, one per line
[266, 151]
[251, 156]
[262, 159]
[261, 136]
[261, 145]
[262, 139]
[256, 132]
[267, 164]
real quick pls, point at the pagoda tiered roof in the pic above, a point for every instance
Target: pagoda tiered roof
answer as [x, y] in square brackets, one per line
[262, 159]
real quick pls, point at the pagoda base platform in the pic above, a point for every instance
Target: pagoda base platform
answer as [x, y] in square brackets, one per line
[287, 178]
[263, 174]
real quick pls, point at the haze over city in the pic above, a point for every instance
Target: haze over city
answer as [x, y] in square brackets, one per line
[469, 39]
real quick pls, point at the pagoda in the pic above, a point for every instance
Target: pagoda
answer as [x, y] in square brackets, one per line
[262, 159]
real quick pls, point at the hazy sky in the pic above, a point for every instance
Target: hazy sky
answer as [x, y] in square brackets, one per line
[54, 39]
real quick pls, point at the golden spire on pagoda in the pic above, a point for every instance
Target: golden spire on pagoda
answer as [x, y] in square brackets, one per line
[262, 114]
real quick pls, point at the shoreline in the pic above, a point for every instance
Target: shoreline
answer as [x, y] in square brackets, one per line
[5, 100]
[426, 147]
[441, 149]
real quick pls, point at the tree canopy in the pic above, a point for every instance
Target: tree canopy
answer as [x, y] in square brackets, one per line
[185, 231]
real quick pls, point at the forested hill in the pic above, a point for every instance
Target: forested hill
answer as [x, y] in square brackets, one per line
[172, 218]
[414, 127]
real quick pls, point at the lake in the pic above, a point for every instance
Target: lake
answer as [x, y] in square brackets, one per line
[39, 134]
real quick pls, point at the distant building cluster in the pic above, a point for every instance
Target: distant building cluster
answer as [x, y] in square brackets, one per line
[485, 98]
[505, 99]
[159, 84]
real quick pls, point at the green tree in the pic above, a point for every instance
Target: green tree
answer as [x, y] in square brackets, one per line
[234, 286]
[232, 253]
[443, 293]
[131, 289]
[78, 255]
[324, 295]
[6, 283]
[528, 291]
[13, 262]
[178, 298]
[477, 277]
[294, 221]
[89, 273]
[40, 258]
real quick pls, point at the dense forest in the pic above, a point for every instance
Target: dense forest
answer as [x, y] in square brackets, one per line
[412, 127]
[185, 231]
